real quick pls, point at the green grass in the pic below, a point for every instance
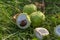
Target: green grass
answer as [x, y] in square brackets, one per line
[10, 31]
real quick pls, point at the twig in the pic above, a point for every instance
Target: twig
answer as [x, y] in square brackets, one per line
[43, 6]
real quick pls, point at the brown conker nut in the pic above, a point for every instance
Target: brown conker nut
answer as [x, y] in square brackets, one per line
[23, 23]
